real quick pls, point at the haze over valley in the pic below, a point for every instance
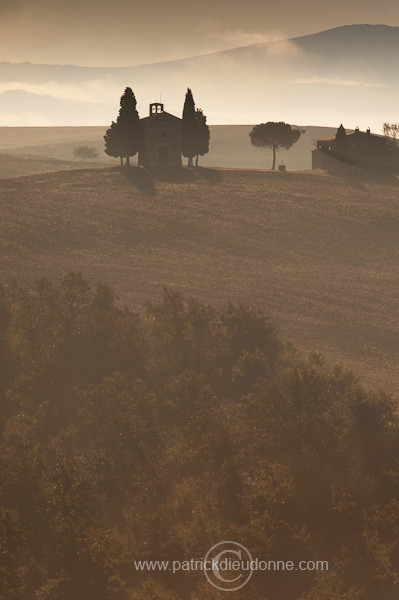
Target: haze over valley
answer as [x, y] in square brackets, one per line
[323, 79]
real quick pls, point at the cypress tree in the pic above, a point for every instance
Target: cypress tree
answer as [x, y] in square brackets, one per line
[124, 136]
[341, 142]
[111, 142]
[189, 129]
[203, 135]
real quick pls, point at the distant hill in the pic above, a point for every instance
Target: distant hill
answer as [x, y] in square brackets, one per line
[340, 75]
[374, 48]
[320, 253]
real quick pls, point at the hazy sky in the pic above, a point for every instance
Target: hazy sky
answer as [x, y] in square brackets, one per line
[129, 32]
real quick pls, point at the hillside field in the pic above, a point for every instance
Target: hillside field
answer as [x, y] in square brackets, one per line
[319, 252]
[19, 166]
[230, 147]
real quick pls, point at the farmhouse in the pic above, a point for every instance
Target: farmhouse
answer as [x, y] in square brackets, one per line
[355, 149]
[162, 138]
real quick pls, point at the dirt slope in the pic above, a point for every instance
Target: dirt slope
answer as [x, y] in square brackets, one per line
[320, 253]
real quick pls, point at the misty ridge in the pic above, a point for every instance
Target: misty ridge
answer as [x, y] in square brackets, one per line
[320, 79]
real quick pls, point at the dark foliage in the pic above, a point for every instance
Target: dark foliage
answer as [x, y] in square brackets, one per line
[391, 133]
[203, 135]
[123, 138]
[190, 133]
[86, 153]
[274, 136]
[341, 141]
[131, 436]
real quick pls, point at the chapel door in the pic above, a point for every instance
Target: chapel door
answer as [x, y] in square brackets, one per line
[163, 158]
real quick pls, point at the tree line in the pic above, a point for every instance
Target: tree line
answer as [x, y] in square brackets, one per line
[155, 434]
[125, 136]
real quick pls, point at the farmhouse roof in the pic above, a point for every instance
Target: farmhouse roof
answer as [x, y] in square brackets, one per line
[357, 132]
